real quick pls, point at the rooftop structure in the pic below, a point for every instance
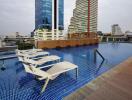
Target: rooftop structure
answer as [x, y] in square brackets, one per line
[128, 33]
[44, 34]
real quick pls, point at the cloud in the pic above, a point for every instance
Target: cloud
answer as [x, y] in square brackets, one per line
[16, 15]
[114, 12]
[19, 15]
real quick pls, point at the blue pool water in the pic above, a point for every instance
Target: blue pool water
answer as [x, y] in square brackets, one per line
[16, 84]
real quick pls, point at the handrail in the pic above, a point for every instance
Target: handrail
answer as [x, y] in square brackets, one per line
[100, 54]
[96, 51]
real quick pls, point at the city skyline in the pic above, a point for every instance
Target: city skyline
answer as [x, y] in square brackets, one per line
[22, 18]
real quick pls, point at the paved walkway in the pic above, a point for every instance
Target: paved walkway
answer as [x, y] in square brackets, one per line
[115, 84]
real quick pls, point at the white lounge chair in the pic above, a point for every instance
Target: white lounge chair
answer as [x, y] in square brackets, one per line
[52, 73]
[32, 54]
[43, 60]
[30, 50]
[21, 59]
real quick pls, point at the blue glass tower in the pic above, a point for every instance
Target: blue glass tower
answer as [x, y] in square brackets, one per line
[43, 14]
[61, 14]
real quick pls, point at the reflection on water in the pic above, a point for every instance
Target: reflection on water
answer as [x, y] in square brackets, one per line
[115, 45]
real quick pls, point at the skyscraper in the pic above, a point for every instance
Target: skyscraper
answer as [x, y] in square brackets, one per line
[84, 17]
[116, 30]
[49, 15]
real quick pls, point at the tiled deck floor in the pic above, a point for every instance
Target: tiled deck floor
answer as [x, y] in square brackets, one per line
[115, 84]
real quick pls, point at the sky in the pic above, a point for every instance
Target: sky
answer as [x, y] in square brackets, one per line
[19, 15]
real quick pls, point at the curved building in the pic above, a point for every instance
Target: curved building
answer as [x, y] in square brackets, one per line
[84, 17]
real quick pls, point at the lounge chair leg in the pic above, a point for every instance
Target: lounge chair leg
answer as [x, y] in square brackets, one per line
[76, 73]
[65, 73]
[45, 85]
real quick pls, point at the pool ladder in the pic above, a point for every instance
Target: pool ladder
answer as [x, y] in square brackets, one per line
[103, 59]
[97, 52]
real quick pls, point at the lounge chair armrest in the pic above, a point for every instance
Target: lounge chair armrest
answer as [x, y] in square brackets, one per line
[63, 71]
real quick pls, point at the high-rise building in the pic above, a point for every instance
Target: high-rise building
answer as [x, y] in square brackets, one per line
[49, 16]
[84, 17]
[116, 30]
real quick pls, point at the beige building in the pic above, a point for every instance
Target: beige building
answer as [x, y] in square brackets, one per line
[84, 17]
[45, 34]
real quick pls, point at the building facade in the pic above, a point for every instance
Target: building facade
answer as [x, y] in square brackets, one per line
[116, 30]
[44, 34]
[84, 17]
[49, 16]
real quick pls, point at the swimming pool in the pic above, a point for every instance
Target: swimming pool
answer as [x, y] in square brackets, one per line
[15, 84]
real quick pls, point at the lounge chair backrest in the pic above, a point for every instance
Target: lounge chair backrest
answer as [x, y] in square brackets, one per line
[28, 69]
[36, 71]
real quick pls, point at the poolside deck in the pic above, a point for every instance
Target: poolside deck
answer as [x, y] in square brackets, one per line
[115, 84]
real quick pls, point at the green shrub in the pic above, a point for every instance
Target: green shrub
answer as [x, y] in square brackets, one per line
[24, 46]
